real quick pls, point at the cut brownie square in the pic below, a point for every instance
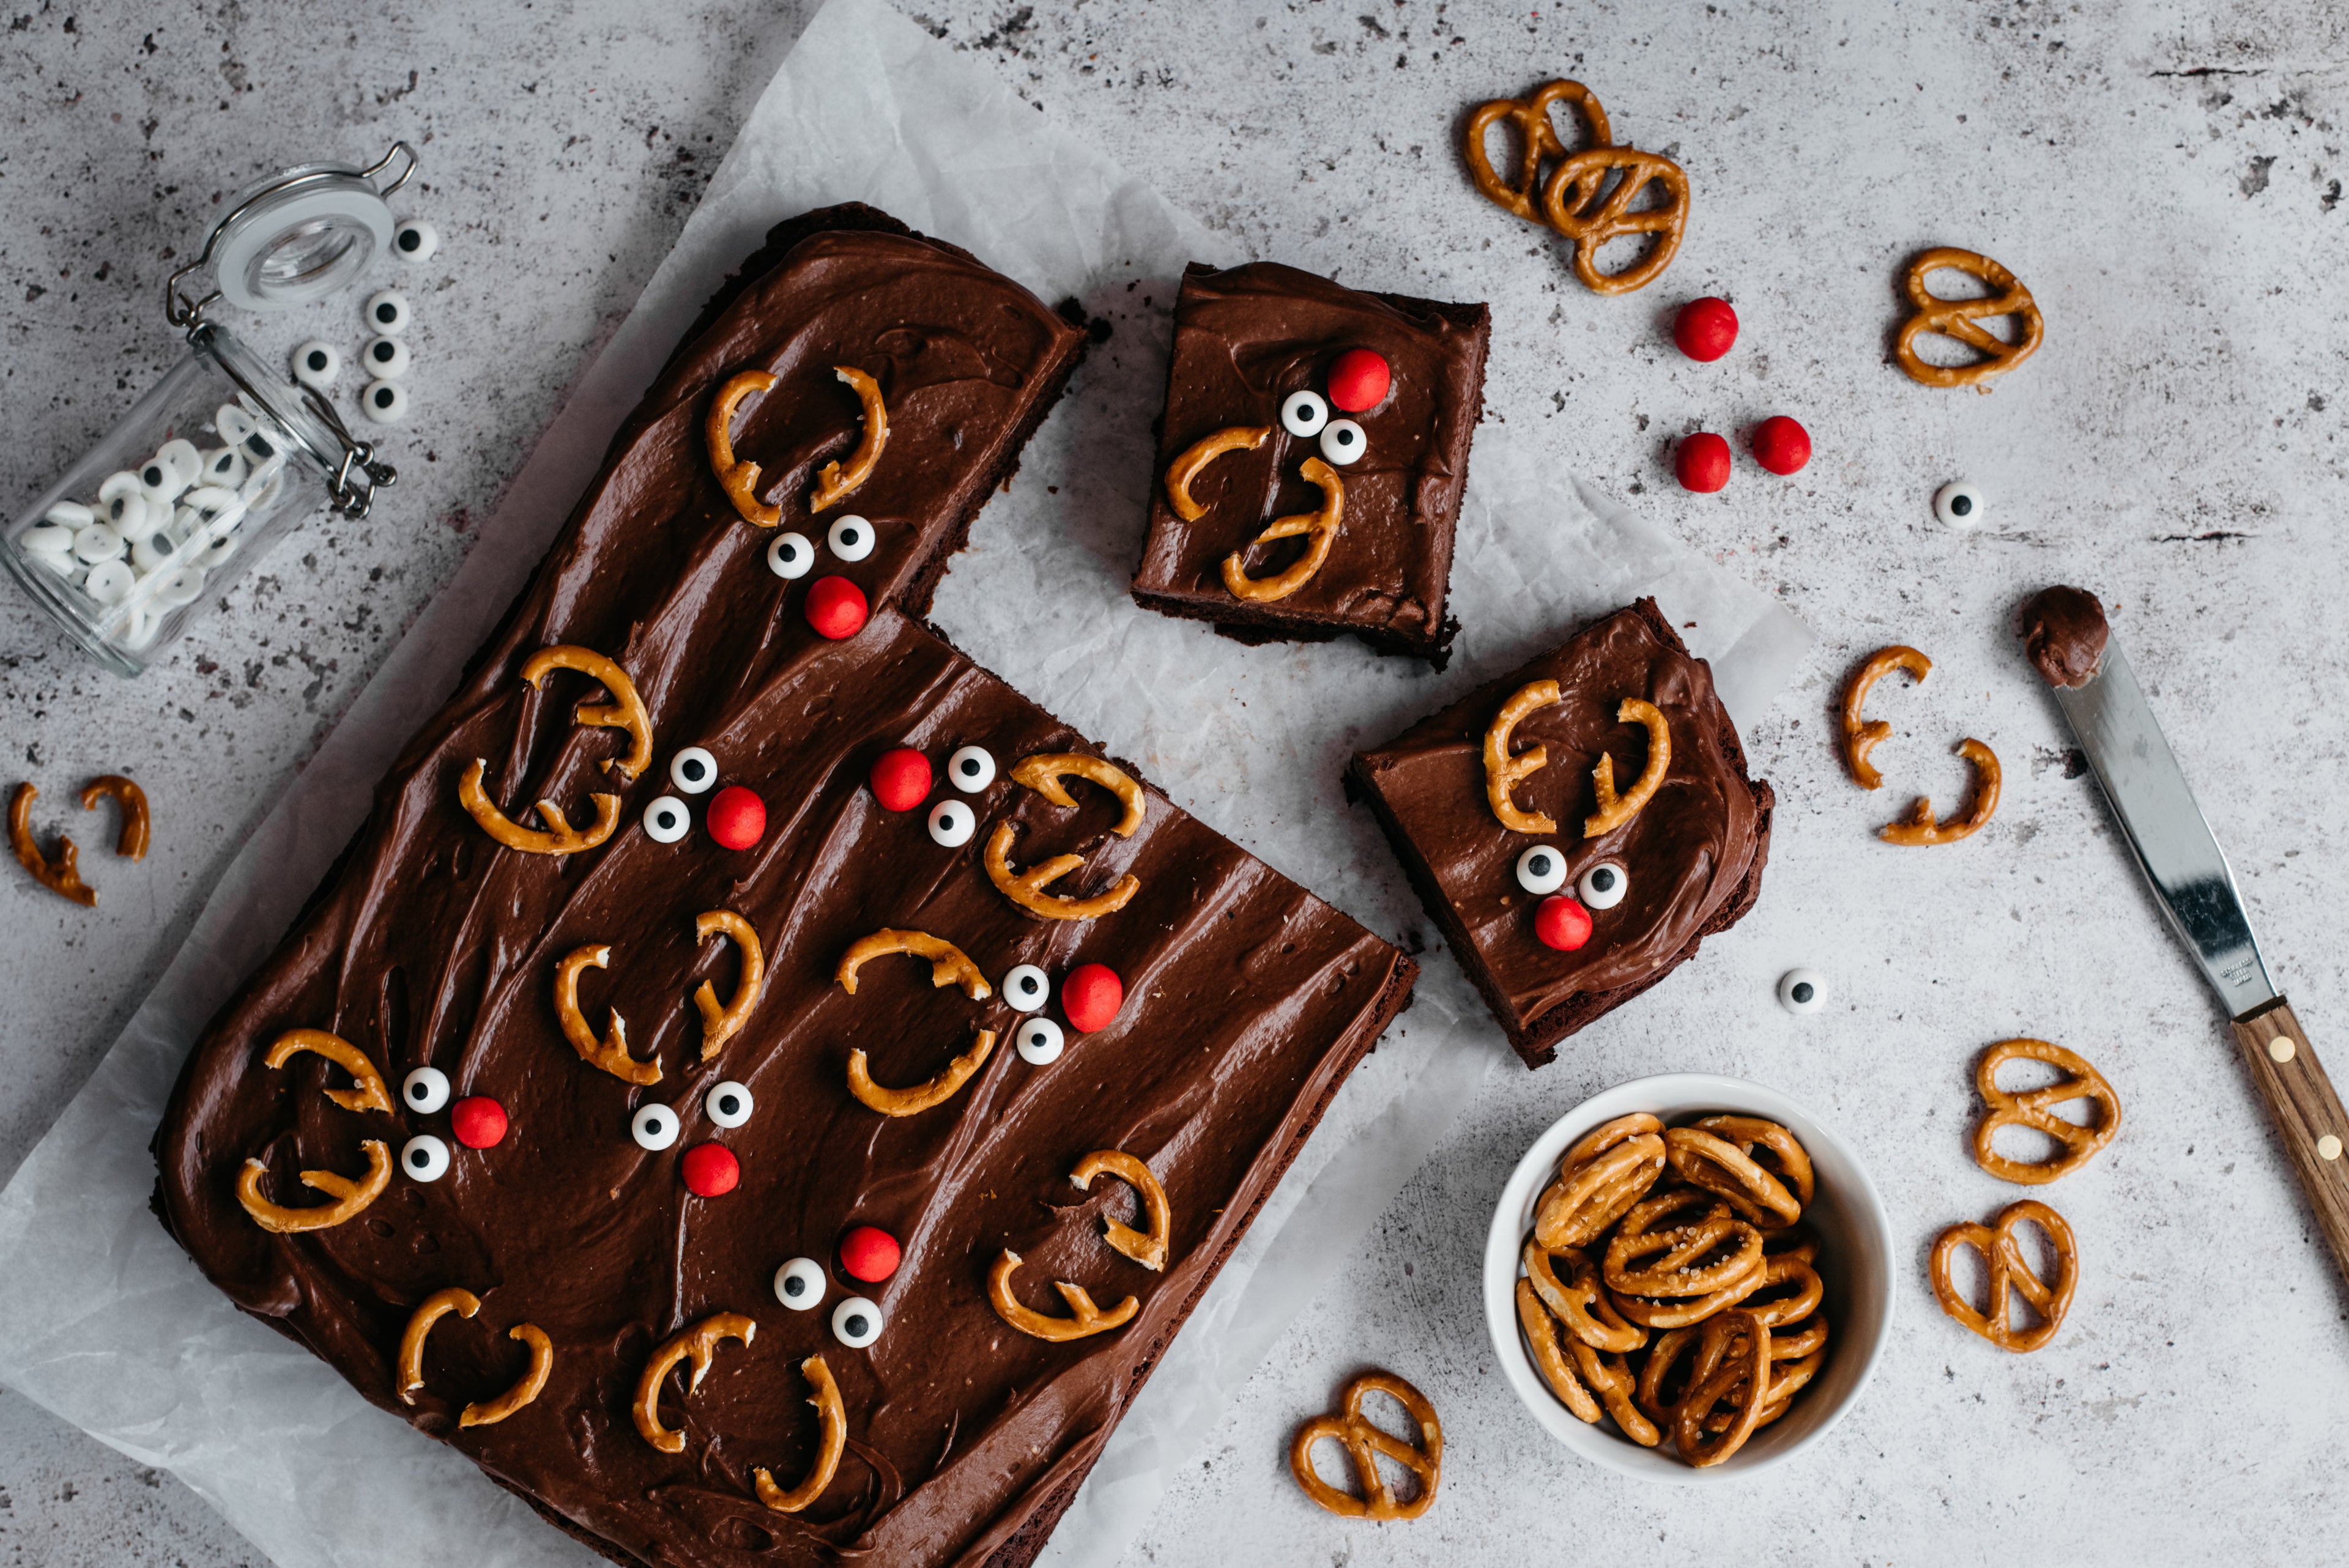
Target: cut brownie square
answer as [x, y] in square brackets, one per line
[1686, 864]
[1366, 479]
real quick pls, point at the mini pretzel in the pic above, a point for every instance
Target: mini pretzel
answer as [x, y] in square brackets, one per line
[721, 1023]
[1578, 204]
[1685, 1311]
[1755, 1136]
[611, 1052]
[838, 482]
[1740, 1375]
[1026, 888]
[1594, 1194]
[1580, 1305]
[737, 478]
[558, 838]
[1088, 1319]
[367, 1092]
[350, 1196]
[1957, 318]
[625, 711]
[1363, 1440]
[1503, 772]
[428, 1310]
[1614, 810]
[526, 1388]
[1676, 1249]
[61, 878]
[1206, 450]
[1611, 1379]
[1539, 138]
[948, 966]
[1320, 528]
[831, 1420]
[1920, 829]
[1703, 1160]
[1860, 736]
[700, 1343]
[1607, 1135]
[1148, 1249]
[2034, 1109]
[2002, 1258]
[918, 1098]
[1665, 1378]
[1043, 773]
[1541, 1332]
[131, 842]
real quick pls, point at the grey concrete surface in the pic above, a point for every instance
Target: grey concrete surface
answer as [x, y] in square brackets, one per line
[2166, 178]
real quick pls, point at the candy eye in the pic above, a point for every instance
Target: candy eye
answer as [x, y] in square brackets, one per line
[1958, 504]
[425, 1157]
[1541, 869]
[1038, 1041]
[1027, 987]
[952, 824]
[386, 402]
[970, 769]
[258, 447]
[415, 241]
[160, 482]
[799, 1284]
[856, 1323]
[317, 364]
[790, 555]
[1342, 441]
[100, 542]
[667, 821]
[693, 770]
[232, 421]
[1802, 991]
[426, 1090]
[179, 456]
[387, 312]
[385, 357]
[1304, 414]
[1603, 886]
[110, 582]
[729, 1104]
[850, 538]
[226, 468]
[653, 1127]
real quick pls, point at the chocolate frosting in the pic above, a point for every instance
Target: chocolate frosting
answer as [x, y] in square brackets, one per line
[2064, 635]
[1247, 1001]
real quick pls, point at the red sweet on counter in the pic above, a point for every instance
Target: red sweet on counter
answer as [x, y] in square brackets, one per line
[478, 1122]
[710, 1170]
[836, 608]
[901, 779]
[1705, 328]
[869, 1253]
[737, 817]
[1781, 445]
[1091, 996]
[1562, 922]
[1359, 381]
[1701, 462]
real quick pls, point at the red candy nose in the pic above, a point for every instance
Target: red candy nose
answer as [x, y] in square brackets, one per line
[1359, 381]
[1705, 329]
[737, 817]
[710, 1170]
[1702, 463]
[869, 1253]
[901, 779]
[1781, 445]
[1562, 922]
[478, 1122]
[836, 608]
[1091, 996]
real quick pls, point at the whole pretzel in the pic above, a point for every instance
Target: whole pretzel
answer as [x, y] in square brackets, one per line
[1320, 529]
[1043, 773]
[1088, 1319]
[1541, 1332]
[611, 1052]
[1860, 736]
[838, 482]
[2034, 1109]
[1198, 455]
[368, 1091]
[1740, 1373]
[831, 1425]
[130, 843]
[1578, 204]
[700, 1343]
[1503, 772]
[1684, 1312]
[1147, 1248]
[1959, 318]
[948, 964]
[1703, 1160]
[1594, 1194]
[1606, 1136]
[1614, 810]
[1920, 829]
[60, 877]
[739, 478]
[720, 1022]
[557, 837]
[2002, 1259]
[1755, 1136]
[350, 1196]
[1026, 888]
[1537, 135]
[1580, 1302]
[1364, 1440]
[626, 711]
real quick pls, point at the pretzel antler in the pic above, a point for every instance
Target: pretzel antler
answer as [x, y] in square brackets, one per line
[625, 711]
[1320, 528]
[699, 1343]
[611, 1052]
[739, 478]
[1087, 1320]
[1503, 772]
[838, 482]
[1614, 810]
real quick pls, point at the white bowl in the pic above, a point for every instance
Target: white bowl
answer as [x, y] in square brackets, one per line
[1855, 1263]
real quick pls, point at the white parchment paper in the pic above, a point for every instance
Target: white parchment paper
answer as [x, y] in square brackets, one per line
[106, 1322]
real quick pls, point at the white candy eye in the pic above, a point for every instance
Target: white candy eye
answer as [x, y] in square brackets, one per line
[160, 482]
[128, 513]
[387, 312]
[850, 538]
[385, 358]
[258, 447]
[1541, 869]
[110, 583]
[693, 770]
[150, 551]
[415, 240]
[184, 586]
[317, 364]
[1802, 991]
[1603, 886]
[1039, 1040]
[426, 1090]
[47, 537]
[183, 457]
[424, 1158]
[653, 1127]
[729, 1104]
[856, 1323]
[799, 1284]
[667, 821]
[226, 468]
[386, 402]
[1958, 504]
[144, 625]
[232, 422]
[117, 485]
[216, 554]
[96, 542]
[970, 769]
[70, 514]
[952, 824]
[1304, 413]
[1027, 987]
[1342, 441]
[790, 555]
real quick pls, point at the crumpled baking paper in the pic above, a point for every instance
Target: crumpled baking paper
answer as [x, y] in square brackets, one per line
[106, 1322]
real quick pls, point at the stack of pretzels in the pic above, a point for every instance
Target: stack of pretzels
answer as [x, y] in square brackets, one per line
[1669, 1285]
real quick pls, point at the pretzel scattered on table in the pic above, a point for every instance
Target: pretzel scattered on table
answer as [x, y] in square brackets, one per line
[1503, 772]
[2003, 1261]
[1578, 202]
[700, 1343]
[1860, 736]
[838, 482]
[1538, 139]
[1364, 1440]
[1961, 318]
[1087, 1319]
[1147, 1248]
[1318, 528]
[611, 1052]
[1614, 810]
[130, 843]
[831, 1421]
[60, 876]
[1920, 829]
[721, 1022]
[2034, 1109]
[1198, 455]
[626, 711]
[739, 478]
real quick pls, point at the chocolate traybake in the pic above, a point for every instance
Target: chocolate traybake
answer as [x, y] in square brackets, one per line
[1312, 458]
[1606, 869]
[700, 1156]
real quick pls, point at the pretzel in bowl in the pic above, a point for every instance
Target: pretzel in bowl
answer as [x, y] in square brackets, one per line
[62, 875]
[721, 1022]
[1085, 1318]
[1537, 141]
[1920, 829]
[699, 1344]
[949, 966]
[611, 1052]
[1738, 1373]
[1961, 319]
[1693, 1255]
[1318, 529]
[832, 1441]
[1503, 772]
[1580, 1301]
[1363, 1441]
[1860, 736]
[1704, 1159]
[2034, 1109]
[839, 480]
[1618, 1165]
[1541, 1330]
[1588, 198]
[738, 477]
[2001, 1254]
[1198, 455]
[1147, 1248]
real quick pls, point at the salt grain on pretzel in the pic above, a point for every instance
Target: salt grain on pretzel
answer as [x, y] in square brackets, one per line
[1687, 1260]
[2034, 1109]
[1860, 734]
[2001, 1253]
[1363, 1441]
[1589, 1196]
[1920, 829]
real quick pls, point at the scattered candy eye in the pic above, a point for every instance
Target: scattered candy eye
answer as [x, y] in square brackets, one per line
[667, 821]
[1561, 922]
[856, 1323]
[729, 1104]
[791, 556]
[317, 364]
[1027, 987]
[478, 1122]
[1958, 504]
[952, 824]
[1701, 462]
[1359, 381]
[799, 1284]
[1802, 991]
[387, 312]
[849, 537]
[653, 1127]
[424, 1158]
[1038, 1041]
[110, 582]
[1603, 886]
[1781, 445]
[900, 778]
[737, 817]
[971, 769]
[710, 1171]
[425, 1089]
[1541, 869]
[415, 240]
[1091, 996]
[386, 359]
[1302, 414]
[1342, 441]
[869, 1253]
[1705, 329]
[836, 608]
[693, 770]
[386, 402]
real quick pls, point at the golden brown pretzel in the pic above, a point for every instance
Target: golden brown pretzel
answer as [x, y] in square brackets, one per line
[464, 1303]
[1607, 1135]
[948, 965]
[130, 843]
[1549, 1360]
[611, 1052]
[1686, 1312]
[838, 482]
[1538, 137]
[1610, 1378]
[626, 711]
[366, 1093]
[737, 478]
[700, 1343]
[1860, 736]
[2003, 1261]
[1733, 1364]
[1088, 1319]
[1920, 829]
[1147, 1248]
[428, 1310]
[1614, 810]
[1755, 1137]
[1703, 1160]
[526, 1388]
[1664, 1376]
[1589, 1197]
[1670, 1260]
[1043, 773]
[915, 1098]
[61, 877]
[1362, 1440]
[1198, 455]
[557, 837]
[1320, 528]
[1577, 202]
[1959, 319]
[1580, 1302]
[1503, 772]
[350, 1196]
[2033, 1108]
[831, 1424]
[1026, 888]
[720, 1023]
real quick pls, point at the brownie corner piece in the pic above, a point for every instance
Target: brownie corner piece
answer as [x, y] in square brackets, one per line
[1645, 891]
[1311, 459]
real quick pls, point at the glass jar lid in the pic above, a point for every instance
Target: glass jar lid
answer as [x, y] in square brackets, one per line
[293, 237]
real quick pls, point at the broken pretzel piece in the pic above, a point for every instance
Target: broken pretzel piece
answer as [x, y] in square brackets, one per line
[526, 1388]
[720, 1023]
[739, 478]
[948, 964]
[700, 1343]
[1088, 1319]
[367, 1092]
[1320, 529]
[920, 1096]
[130, 843]
[1148, 1249]
[60, 877]
[428, 1310]
[1859, 735]
[625, 711]
[1026, 888]
[1185, 469]
[350, 1196]
[1614, 810]
[1043, 773]
[1920, 829]
[831, 1420]
[838, 482]
[1503, 772]
[557, 837]
[611, 1052]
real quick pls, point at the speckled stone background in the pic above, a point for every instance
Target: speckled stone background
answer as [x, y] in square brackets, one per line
[2167, 180]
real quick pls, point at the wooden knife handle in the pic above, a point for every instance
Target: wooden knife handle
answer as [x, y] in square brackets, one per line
[2307, 1114]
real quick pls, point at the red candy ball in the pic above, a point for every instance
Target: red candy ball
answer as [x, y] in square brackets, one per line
[1562, 922]
[478, 1122]
[737, 817]
[1705, 329]
[1091, 996]
[836, 608]
[869, 1253]
[1781, 445]
[1359, 381]
[901, 779]
[710, 1171]
[1701, 462]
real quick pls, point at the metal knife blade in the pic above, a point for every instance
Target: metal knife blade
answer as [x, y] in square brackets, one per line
[2165, 828]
